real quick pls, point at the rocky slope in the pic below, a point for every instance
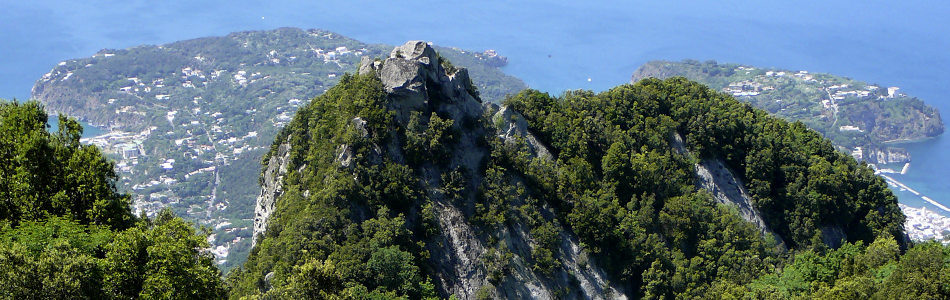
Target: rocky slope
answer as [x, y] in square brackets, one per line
[415, 80]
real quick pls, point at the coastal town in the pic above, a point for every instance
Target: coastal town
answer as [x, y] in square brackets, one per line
[923, 224]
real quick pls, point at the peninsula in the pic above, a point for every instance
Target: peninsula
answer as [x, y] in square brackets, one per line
[863, 119]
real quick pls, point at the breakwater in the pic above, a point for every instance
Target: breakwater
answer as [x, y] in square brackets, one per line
[903, 186]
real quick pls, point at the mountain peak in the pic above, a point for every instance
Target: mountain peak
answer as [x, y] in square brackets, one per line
[417, 78]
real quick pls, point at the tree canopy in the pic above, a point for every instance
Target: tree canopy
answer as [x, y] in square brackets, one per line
[360, 228]
[67, 233]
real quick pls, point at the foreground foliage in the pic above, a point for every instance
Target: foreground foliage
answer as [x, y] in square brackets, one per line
[66, 233]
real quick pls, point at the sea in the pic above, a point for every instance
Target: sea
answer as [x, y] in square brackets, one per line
[553, 46]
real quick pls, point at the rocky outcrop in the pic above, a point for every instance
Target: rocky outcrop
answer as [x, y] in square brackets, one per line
[727, 188]
[271, 189]
[511, 126]
[888, 156]
[417, 81]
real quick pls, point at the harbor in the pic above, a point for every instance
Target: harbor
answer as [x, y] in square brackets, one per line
[898, 184]
[922, 224]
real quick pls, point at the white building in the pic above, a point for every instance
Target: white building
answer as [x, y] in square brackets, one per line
[850, 128]
[893, 91]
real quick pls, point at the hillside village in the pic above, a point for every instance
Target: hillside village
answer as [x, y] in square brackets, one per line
[206, 116]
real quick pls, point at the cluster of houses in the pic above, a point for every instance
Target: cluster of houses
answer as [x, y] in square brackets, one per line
[126, 145]
[746, 88]
[336, 53]
[842, 91]
[923, 224]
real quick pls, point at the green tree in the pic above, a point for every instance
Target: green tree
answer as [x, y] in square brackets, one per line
[51, 174]
[66, 233]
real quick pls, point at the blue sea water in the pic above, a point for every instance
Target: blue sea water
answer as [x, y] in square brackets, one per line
[552, 45]
[88, 131]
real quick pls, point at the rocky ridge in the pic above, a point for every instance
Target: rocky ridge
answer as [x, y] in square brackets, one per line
[714, 176]
[188, 121]
[415, 80]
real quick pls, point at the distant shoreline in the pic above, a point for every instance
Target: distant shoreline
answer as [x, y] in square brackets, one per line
[908, 141]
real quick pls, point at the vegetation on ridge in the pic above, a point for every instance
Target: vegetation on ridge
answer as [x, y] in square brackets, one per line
[615, 181]
[357, 218]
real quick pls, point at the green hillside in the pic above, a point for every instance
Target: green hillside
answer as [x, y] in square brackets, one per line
[67, 233]
[862, 117]
[414, 196]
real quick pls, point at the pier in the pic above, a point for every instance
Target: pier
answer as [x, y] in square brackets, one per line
[901, 185]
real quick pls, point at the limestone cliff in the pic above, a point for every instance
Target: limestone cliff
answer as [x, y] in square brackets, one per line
[887, 155]
[271, 189]
[714, 176]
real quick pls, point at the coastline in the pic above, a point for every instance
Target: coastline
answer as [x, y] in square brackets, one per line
[908, 141]
[892, 181]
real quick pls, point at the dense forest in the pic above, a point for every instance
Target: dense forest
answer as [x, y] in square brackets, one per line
[66, 233]
[365, 227]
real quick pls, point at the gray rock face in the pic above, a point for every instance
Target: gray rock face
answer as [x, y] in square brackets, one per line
[511, 126]
[719, 180]
[271, 189]
[888, 156]
[715, 177]
[833, 236]
[415, 81]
